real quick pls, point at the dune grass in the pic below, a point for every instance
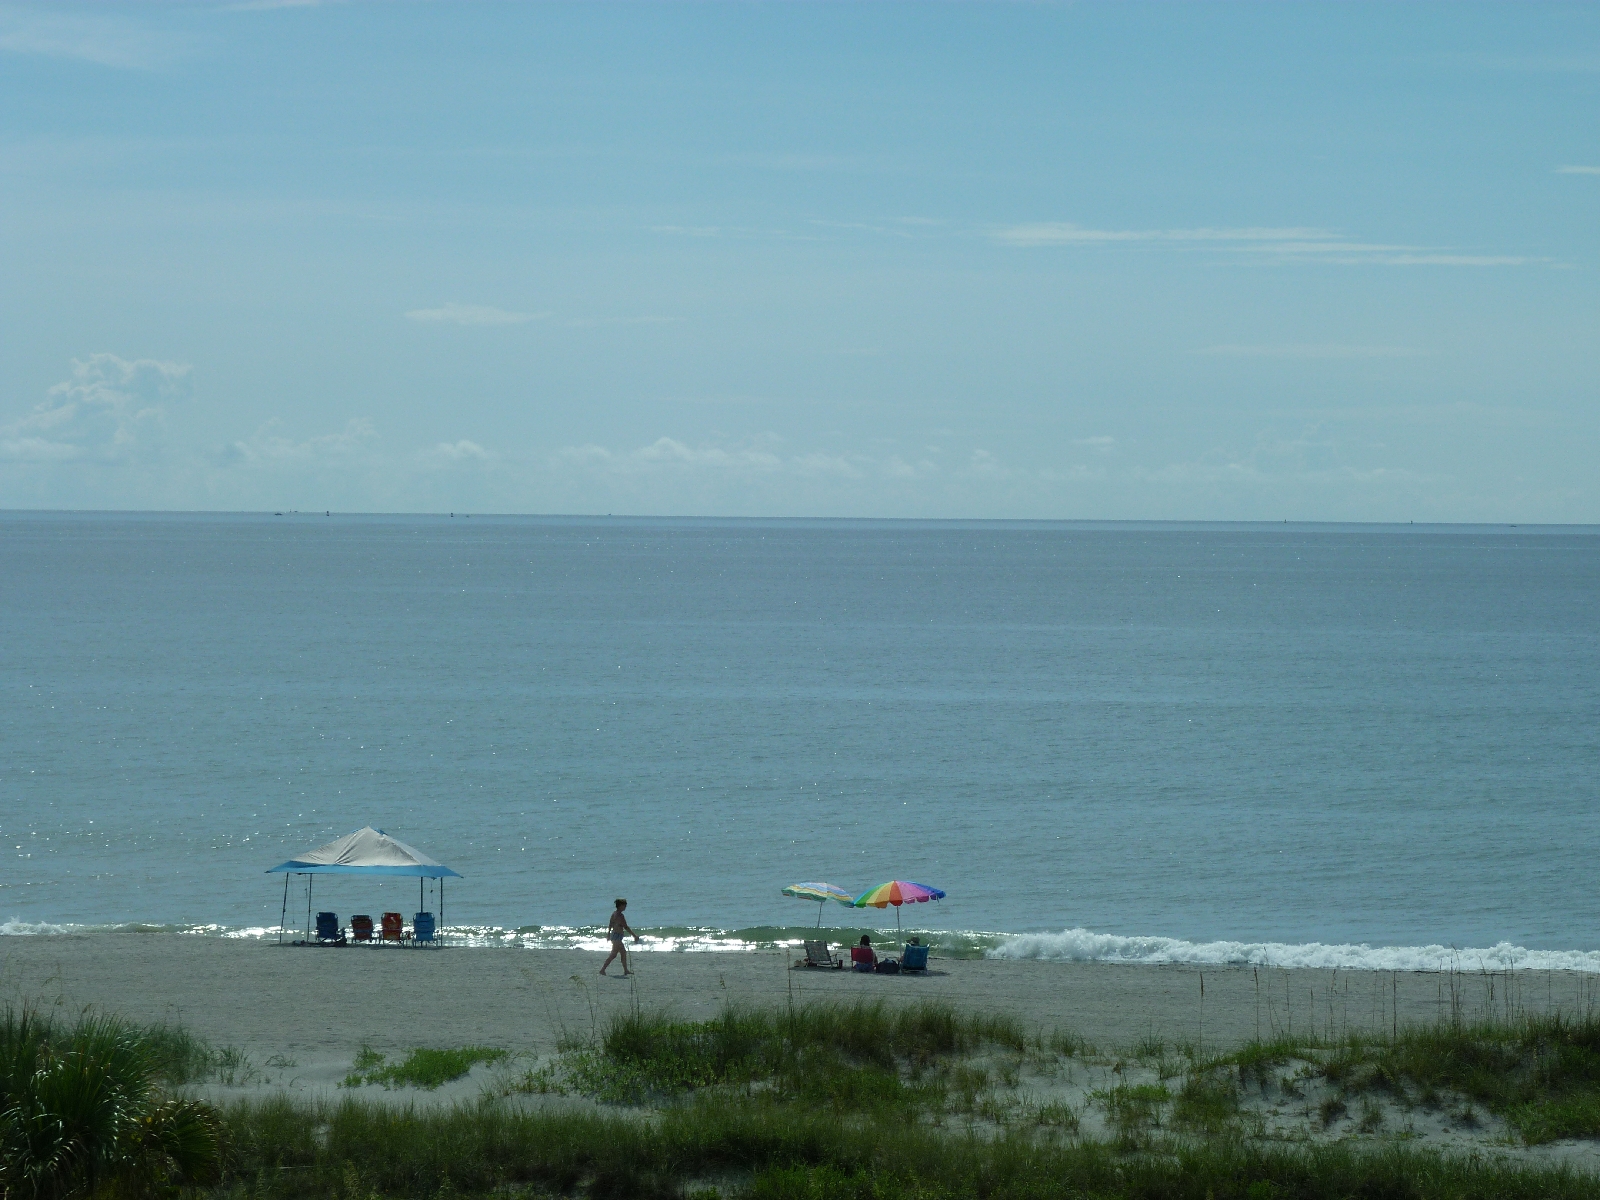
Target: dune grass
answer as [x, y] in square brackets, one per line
[805, 1103]
[854, 1057]
[423, 1067]
[778, 1152]
[1539, 1073]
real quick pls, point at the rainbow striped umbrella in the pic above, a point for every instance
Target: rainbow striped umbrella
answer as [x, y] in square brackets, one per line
[821, 893]
[897, 892]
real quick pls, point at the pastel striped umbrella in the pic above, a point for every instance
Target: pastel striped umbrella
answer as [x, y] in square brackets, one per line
[897, 892]
[821, 893]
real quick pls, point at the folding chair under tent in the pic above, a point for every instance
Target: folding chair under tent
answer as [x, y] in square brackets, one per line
[367, 851]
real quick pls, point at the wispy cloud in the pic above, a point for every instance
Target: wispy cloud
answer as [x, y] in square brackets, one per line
[454, 453]
[1286, 244]
[755, 458]
[474, 314]
[1575, 170]
[264, 447]
[1310, 350]
[1063, 233]
[104, 40]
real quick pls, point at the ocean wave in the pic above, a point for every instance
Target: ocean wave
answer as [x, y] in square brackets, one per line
[16, 927]
[1069, 945]
[1085, 945]
[688, 939]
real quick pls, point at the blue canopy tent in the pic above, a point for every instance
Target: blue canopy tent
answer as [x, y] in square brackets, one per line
[367, 851]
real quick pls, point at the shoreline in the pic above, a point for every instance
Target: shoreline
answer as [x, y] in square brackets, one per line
[1076, 945]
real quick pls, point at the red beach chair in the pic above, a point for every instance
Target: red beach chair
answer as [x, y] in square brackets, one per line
[394, 927]
[361, 928]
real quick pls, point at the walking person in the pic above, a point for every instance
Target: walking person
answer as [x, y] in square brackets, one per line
[615, 931]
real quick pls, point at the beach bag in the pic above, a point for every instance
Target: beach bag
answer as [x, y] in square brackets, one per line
[888, 966]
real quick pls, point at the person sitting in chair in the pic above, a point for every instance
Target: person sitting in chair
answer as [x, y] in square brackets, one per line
[862, 957]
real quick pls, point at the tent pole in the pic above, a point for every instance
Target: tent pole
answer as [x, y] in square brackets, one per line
[309, 882]
[441, 910]
[283, 917]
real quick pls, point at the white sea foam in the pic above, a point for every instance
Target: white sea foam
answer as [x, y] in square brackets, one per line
[1070, 945]
[16, 927]
[1084, 945]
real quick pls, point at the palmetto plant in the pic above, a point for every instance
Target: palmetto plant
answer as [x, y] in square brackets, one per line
[83, 1113]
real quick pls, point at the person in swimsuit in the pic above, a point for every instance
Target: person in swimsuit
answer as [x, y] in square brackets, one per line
[863, 957]
[615, 931]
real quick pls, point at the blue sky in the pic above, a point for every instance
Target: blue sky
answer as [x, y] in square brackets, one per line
[1077, 261]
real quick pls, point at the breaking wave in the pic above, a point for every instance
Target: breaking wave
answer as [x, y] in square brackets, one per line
[1085, 945]
[1069, 945]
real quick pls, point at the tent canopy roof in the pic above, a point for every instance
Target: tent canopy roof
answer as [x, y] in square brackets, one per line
[367, 851]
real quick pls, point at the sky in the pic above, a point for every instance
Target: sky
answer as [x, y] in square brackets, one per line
[1078, 261]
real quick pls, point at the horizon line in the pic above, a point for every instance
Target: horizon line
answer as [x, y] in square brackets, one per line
[1304, 524]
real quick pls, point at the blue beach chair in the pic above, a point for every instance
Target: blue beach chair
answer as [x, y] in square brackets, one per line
[329, 931]
[914, 958]
[422, 928]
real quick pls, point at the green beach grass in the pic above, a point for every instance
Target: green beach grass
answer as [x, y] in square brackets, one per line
[1539, 1073]
[424, 1067]
[814, 1101]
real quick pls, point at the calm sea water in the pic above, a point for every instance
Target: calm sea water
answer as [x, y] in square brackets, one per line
[1103, 736]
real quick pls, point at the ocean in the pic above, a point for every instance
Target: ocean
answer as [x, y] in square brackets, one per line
[1306, 745]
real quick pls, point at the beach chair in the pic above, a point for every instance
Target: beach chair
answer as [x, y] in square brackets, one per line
[862, 958]
[817, 955]
[394, 927]
[361, 928]
[329, 932]
[914, 958]
[422, 927]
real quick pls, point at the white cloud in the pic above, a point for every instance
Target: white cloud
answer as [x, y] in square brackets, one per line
[474, 314]
[105, 41]
[265, 448]
[449, 453]
[1310, 350]
[1578, 170]
[757, 458]
[1286, 244]
[110, 409]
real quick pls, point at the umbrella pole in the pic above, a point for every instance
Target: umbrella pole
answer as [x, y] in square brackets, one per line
[819, 914]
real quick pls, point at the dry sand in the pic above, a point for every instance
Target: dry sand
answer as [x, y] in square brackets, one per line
[299, 1002]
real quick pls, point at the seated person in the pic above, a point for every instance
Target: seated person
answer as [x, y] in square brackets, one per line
[862, 957]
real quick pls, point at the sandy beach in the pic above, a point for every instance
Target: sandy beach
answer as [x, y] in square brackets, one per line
[322, 1004]
[294, 1019]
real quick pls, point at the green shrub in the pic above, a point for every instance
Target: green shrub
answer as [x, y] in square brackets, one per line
[82, 1110]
